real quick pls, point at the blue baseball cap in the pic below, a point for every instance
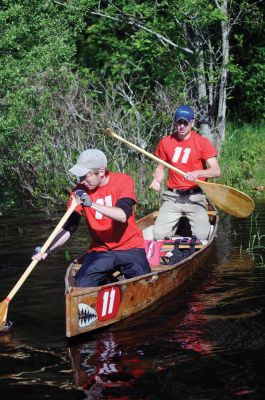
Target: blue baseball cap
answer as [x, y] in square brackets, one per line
[184, 112]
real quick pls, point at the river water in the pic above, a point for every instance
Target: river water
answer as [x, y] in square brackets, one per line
[204, 341]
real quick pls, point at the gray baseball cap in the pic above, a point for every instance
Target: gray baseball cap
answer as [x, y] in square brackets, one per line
[89, 159]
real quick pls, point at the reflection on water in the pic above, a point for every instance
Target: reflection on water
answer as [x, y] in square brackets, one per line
[206, 340]
[29, 372]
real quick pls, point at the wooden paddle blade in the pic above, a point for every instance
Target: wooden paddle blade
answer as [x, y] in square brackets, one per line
[3, 314]
[228, 199]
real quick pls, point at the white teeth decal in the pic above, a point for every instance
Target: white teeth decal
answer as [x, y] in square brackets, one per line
[86, 315]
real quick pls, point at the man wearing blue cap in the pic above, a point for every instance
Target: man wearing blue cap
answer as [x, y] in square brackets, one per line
[196, 156]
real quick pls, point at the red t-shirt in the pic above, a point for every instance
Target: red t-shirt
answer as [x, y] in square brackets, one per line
[186, 155]
[106, 233]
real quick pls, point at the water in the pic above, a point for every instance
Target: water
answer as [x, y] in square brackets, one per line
[203, 341]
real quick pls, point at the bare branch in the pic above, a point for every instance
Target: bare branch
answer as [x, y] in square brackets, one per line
[164, 40]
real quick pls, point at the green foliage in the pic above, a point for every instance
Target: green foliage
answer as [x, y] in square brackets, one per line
[37, 40]
[253, 88]
[124, 40]
[33, 39]
[247, 100]
[71, 68]
[242, 158]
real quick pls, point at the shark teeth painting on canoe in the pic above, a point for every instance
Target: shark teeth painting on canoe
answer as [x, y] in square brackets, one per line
[86, 315]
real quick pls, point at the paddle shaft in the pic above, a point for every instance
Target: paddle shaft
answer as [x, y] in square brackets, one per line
[150, 155]
[43, 250]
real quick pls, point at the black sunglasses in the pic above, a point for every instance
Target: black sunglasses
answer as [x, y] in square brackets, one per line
[182, 122]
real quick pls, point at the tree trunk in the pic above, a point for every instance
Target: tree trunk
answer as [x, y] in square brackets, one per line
[221, 115]
[203, 100]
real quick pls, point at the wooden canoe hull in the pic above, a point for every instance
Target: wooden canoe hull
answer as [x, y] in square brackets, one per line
[88, 309]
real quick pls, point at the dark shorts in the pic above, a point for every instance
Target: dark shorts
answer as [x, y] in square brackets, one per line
[98, 267]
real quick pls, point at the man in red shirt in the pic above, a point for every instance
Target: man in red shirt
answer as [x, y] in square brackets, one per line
[108, 202]
[197, 157]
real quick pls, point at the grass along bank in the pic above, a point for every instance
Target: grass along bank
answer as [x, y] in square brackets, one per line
[242, 159]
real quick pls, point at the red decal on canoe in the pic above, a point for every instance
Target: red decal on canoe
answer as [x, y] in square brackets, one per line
[108, 303]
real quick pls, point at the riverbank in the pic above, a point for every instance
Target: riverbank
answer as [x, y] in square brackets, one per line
[241, 161]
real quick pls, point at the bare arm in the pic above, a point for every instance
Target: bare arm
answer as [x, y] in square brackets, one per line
[59, 241]
[65, 233]
[115, 213]
[158, 175]
[63, 236]
[212, 171]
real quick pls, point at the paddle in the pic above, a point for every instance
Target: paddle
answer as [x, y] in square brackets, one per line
[4, 305]
[228, 199]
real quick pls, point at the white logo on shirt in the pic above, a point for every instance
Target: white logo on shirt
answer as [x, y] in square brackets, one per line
[107, 201]
[177, 153]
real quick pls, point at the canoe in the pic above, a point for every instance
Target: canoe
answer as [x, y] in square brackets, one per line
[91, 308]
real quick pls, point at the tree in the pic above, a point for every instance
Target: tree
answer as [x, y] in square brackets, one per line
[36, 39]
[70, 68]
[182, 43]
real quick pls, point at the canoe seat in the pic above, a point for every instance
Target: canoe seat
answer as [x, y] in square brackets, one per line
[157, 268]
